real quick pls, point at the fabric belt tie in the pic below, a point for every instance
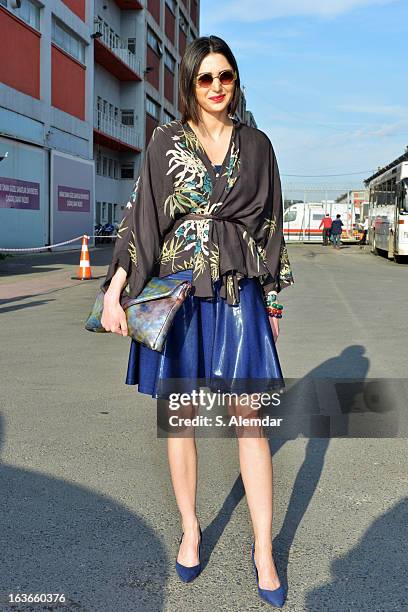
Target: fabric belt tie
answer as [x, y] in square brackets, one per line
[193, 216]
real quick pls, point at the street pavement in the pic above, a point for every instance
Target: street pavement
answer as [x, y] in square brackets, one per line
[87, 507]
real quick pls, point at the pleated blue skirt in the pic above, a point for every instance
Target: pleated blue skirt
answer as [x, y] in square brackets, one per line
[228, 348]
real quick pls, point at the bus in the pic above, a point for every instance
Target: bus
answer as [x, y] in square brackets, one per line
[301, 220]
[388, 209]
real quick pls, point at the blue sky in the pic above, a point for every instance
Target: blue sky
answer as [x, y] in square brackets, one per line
[327, 80]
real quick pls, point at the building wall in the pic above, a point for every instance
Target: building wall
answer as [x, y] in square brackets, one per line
[23, 222]
[158, 85]
[48, 99]
[112, 13]
[45, 105]
[106, 86]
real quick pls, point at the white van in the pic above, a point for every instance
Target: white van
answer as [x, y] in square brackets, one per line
[301, 221]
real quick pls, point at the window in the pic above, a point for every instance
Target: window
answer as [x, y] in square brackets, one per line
[290, 216]
[132, 45]
[167, 117]
[317, 216]
[153, 108]
[169, 62]
[116, 213]
[104, 212]
[183, 23]
[107, 108]
[3, 2]
[127, 171]
[107, 166]
[29, 12]
[68, 41]
[172, 5]
[128, 117]
[154, 42]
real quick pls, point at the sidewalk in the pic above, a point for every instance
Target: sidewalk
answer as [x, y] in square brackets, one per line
[23, 275]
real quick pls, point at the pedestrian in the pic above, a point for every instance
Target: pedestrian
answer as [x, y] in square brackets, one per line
[207, 207]
[363, 239]
[336, 231]
[326, 224]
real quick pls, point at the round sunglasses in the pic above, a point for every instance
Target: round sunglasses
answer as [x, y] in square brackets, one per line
[205, 79]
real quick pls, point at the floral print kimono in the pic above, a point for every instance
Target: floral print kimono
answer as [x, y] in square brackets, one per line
[244, 237]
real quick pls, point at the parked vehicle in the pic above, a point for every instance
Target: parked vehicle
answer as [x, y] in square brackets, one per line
[388, 209]
[301, 221]
[107, 230]
[97, 233]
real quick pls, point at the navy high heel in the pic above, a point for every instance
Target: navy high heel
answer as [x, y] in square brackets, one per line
[277, 597]
[187, 574]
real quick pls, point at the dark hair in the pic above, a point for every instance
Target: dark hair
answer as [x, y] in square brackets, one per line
[338, 216]
[190, 63]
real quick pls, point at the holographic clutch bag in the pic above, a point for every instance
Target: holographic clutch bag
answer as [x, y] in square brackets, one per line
[149, 315]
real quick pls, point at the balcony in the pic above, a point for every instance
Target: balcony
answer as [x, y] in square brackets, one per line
[115, 135]
[129, 4]
[112, 53]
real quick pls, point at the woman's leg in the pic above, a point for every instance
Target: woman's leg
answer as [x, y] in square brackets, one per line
[182, 456]
[257, 474]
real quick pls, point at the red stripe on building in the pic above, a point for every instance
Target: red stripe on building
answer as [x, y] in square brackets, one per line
[67, 83]
[20, 55]
[77, 7]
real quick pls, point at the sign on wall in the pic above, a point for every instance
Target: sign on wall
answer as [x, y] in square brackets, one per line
[15, 193]
[73, 200]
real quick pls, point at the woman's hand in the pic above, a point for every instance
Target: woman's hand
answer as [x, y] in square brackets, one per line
[274, 321]
[113, 316]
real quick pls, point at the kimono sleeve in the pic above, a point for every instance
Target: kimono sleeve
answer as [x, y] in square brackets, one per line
[139, 236]
[269, 236]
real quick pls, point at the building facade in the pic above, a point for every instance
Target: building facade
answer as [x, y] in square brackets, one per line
[138, 48]
[83, 84]
[46, 90]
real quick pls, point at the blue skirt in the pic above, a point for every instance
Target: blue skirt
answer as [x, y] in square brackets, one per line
[229, 348]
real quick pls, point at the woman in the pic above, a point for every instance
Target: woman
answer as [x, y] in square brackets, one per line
[207, 207]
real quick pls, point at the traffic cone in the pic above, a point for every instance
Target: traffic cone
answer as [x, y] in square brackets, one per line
[84, 270]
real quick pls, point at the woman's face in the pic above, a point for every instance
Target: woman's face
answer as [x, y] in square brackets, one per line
[216, 98]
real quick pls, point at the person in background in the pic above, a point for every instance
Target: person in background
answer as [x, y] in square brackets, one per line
[326, 223]
[363, 239]
[336, 231]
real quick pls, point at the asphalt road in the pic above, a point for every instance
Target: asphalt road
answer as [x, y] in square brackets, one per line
[87, 507]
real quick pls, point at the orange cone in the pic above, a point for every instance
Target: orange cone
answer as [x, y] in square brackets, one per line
[84, 270]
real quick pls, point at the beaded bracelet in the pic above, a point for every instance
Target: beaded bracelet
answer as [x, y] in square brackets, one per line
[273, 308]
[270, 298]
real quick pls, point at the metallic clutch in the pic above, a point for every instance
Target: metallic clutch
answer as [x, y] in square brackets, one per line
[149, 315]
